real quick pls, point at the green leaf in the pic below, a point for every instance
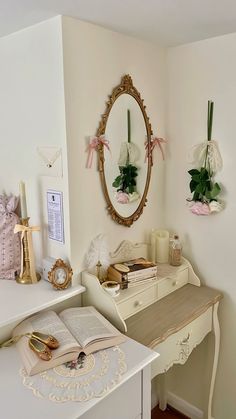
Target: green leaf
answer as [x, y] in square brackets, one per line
[193, 185]
[196, 178]
[200, 188]
[196, 196]
[208, 194]
[117, 182]
[204, 173]
[215, 190]
[193, 172]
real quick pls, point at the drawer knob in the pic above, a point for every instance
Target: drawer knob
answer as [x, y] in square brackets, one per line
[138, 303]
[174, 283]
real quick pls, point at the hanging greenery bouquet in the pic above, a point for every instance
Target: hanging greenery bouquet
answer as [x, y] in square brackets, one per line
[208, 161]
[125, 182]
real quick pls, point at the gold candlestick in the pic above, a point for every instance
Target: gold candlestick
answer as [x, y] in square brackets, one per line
[28, 274]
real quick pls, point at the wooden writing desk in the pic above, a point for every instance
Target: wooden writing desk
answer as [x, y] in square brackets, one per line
[171, 315]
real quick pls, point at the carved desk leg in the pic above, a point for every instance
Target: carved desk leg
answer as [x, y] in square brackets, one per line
[162, 392]
[216, 331]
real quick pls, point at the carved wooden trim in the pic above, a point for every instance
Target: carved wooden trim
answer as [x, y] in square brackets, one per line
[126, 86]
[128, 250]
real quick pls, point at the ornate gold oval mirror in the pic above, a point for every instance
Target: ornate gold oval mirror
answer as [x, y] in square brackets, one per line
[125, 164]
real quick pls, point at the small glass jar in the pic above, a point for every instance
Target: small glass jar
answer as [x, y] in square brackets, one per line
[175, 251]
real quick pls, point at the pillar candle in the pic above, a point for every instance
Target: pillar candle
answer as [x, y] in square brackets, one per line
[153, 246]
[162, 246]
[23, 200]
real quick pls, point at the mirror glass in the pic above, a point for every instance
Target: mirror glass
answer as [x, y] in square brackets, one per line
[126, 133]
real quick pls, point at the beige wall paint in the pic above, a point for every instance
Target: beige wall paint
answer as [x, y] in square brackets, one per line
[94, 61]
[32, 115]
[198, 72]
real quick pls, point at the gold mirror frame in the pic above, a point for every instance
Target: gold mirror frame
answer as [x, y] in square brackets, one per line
[126, 86]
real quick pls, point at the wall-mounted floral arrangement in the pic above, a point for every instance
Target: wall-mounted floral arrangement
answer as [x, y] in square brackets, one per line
[207, 162]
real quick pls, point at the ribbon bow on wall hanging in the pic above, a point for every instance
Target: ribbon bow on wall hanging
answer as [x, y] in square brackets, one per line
[155, 142]
[94, 143]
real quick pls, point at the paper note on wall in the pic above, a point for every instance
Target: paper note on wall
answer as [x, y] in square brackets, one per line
[55, 216]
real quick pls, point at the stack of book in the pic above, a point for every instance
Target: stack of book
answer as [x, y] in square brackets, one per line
[132, 273]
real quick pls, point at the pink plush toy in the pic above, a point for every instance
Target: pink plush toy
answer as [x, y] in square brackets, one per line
[10, 245]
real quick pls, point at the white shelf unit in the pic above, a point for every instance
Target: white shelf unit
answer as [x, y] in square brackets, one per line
[19, 402]
[19, 301]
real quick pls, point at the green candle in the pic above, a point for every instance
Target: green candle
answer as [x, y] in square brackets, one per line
[129, 125]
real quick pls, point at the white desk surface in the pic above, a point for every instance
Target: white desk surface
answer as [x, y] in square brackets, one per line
[18, 301]
[17, 401]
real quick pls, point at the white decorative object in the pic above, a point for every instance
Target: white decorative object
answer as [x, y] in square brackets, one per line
[216, 206]
[97, 258]
[49, 155]
[153, 246]
[159, 243]
[128, 152]
[198, 155]
[48, 263]
[80, 380]
[23, 200]
[111, 287]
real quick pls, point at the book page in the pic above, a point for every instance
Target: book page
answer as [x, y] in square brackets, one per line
[47, 322]
[88, 325]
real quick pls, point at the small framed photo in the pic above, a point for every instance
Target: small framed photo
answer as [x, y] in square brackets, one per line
[60, 275]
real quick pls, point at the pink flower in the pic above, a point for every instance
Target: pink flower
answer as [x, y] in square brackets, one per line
[199, 208]
[122, 197]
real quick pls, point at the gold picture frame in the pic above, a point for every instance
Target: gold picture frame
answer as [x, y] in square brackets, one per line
[60, 275]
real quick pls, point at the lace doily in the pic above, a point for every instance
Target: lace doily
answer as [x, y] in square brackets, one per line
[87, 377]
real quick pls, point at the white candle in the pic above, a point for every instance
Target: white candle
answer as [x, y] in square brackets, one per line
[23, 205]
[153, 246]
[162, 246]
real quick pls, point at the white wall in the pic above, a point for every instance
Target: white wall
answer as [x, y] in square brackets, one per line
[198, 72]
[95, 59]
[32, 115]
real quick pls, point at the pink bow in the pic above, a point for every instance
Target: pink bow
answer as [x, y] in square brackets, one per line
[155, 141]
[93, 145]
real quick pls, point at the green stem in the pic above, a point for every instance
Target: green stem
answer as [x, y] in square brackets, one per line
[209, 125]
[129, 125]
[210, 119]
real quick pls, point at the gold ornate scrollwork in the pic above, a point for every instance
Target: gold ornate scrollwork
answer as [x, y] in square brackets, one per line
[125, 87]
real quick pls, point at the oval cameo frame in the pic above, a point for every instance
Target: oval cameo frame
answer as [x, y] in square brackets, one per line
[60, 275]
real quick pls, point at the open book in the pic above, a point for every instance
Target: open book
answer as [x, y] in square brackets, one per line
[80, 329]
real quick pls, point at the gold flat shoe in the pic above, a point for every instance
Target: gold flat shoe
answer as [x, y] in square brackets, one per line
[49, 340]
[40, 349]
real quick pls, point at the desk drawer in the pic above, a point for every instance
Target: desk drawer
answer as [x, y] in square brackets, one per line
[168, 285]
[178, 346]
[119, 404]
[137, 302]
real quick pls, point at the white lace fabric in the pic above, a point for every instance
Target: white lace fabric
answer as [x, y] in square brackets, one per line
[89, 377]
[128, 152]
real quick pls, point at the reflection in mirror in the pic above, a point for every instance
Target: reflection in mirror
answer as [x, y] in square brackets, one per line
[125, 170]
[125, 174]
